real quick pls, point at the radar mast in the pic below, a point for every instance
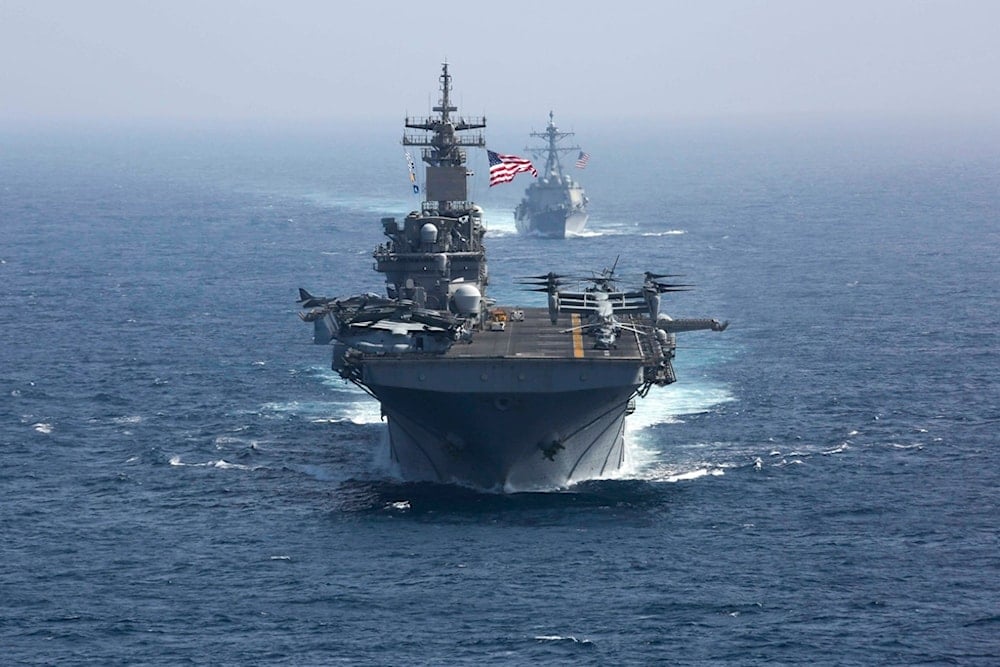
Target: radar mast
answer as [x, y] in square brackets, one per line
[444, 151]
[552, 136]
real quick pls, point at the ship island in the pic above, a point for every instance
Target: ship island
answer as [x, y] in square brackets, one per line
[479, 394]
[554, 206]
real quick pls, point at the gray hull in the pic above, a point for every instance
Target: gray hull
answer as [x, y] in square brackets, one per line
[505, 424]
[521, 448]
[552, 224]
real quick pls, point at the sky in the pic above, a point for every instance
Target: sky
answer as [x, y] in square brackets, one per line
[342, 61]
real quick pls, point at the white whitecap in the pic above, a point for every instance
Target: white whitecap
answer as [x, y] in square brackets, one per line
[360, 410]
[127, 419]
[350, 405]
[226, 465]
[42, 427]
[562, 638]
[223, 441]
[645, 462]
[220, 463]
[667, 405]
[785, 462]
[696, 474]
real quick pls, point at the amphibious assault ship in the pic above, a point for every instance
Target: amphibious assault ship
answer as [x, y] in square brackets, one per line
[555, 205]
[494, 397]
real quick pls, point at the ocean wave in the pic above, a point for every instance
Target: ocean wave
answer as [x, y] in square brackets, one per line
[127, 419]
[221, 464]
[644, 461]
[697, 473]
[562, 638]
[666, 406]
[363, 410]
[234, 442]
[400, 505]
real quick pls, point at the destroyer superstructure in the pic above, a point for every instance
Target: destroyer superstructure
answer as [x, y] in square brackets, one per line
[480, 394]
[555, 205]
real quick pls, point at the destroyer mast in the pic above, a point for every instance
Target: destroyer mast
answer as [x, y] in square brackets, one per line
[552, 136]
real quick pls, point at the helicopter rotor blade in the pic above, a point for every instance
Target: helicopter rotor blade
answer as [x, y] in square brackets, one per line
[547, 276]
[668, 287]
[581, 327]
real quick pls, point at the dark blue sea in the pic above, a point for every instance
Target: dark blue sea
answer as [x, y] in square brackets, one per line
[183, 480]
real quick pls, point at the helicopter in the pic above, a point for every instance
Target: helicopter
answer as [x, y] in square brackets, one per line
[602, 301]
[375, 324]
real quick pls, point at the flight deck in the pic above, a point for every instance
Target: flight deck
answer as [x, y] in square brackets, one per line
[535, 336]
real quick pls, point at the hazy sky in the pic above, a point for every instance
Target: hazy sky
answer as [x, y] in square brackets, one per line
[303, 60]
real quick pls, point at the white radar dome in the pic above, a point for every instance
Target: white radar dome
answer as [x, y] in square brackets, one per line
[428, 233]
[467, 298]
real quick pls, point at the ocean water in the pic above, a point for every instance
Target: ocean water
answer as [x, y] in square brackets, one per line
[184, 481]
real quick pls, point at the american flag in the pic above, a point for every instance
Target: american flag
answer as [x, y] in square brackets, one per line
[581, 162]
[503, 168]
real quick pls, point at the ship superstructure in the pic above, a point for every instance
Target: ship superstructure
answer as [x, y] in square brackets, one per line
[484, 395]
[555, 205]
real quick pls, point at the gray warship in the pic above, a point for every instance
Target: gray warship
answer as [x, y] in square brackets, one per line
[488, 396]
[555, 205]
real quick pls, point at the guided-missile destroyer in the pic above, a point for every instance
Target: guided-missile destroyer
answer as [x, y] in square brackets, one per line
[480, 394]
[555, 205]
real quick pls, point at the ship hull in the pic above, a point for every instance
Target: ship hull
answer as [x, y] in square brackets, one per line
[552, 224]
[504, 425]
[520, 449]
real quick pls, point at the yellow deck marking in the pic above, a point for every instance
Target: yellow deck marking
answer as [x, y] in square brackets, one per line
[577, 336]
